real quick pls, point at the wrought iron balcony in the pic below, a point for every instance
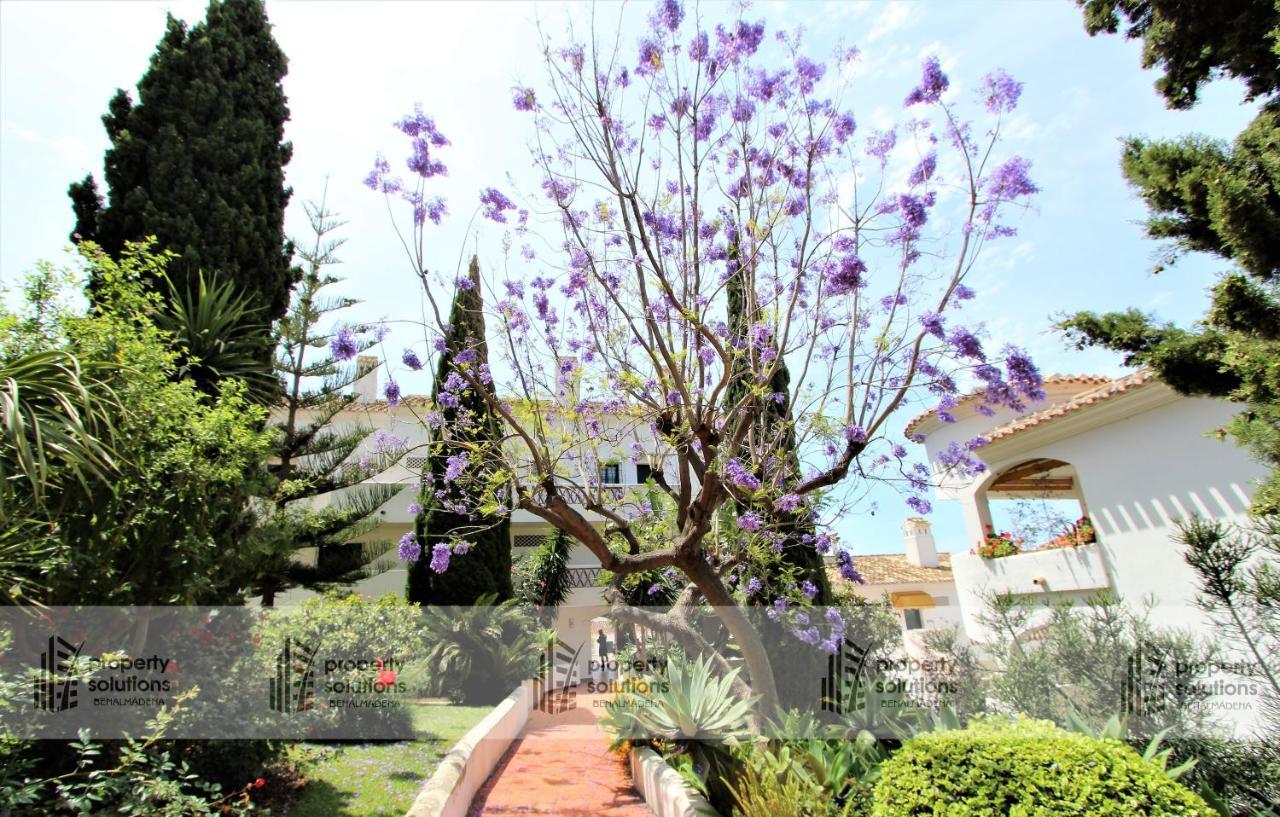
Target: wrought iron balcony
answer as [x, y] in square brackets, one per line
[583, 576]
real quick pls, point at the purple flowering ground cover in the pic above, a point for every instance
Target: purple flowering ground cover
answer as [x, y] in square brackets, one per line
[376, 779]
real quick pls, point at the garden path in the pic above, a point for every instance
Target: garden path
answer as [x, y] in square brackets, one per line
[561, 766]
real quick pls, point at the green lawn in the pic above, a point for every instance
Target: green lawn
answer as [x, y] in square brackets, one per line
[379, 779]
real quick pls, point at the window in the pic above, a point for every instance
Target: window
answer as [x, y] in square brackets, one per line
[914, 620]
[609, 474]
[643, 472]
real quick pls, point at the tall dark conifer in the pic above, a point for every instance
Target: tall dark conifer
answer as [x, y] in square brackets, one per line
[199, 160]
[776, 425]
[470, 428]
[1205, 195]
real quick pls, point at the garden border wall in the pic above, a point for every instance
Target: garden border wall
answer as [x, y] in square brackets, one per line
[465, 767]
[664, 791]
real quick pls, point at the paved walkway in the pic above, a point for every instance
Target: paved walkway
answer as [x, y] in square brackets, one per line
[561, 766]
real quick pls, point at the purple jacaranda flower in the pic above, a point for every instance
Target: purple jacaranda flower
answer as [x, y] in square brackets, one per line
[809, 73]
[740, 476]
[1010, 181]
[932, 323]
[454, 466]
[923, 171]
[343, 345]
[855, 434]
[750, 521]
[834, 618]
[964, 293]
[410, 359]
[698, 47]
[493, 203]
[808, 635]
[420, 126]
[880, 143]
[789, 502]
[1024, 376]
[440, 558]
[575, 56]
[966, 344]
[1001, 91]
[932, 84]
[846, 275]
[845, 563]
[844, 127]
[392, 392]
[464, 283]
[919, 504]
[669, 14]
[409, 549]
[743, 109]
[958, 458]
[754, 585]
[524, 99]
[809, 589]
[650, 57]
[414, 508]
[461, 548]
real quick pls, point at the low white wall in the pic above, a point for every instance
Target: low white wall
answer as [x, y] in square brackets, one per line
[664, 791]
[1053, 574]
[465, 768]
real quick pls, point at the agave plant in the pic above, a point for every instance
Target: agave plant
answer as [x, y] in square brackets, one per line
[688, 702]
[479, 654]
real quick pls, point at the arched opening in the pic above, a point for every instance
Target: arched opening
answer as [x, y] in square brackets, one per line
[1036, 504]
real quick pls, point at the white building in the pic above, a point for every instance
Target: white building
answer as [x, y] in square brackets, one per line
[1135, 455]
[627, 454]
[917, 583]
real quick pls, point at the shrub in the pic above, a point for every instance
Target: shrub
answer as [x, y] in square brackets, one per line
[1024, 767]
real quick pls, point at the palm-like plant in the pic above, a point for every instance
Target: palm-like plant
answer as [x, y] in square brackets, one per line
[478, 654]
[219, 338]
[55, 419]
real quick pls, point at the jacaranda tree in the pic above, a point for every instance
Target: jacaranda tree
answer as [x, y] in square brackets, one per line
[854, 252]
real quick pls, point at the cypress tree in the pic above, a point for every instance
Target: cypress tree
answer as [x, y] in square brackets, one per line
[470, 427]
[198, 161]
[774, 425]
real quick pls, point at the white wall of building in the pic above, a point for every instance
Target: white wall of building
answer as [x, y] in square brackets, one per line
[1137, 474]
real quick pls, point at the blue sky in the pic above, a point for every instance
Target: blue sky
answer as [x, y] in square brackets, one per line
[356, 67]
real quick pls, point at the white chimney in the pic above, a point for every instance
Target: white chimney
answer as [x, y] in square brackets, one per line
[921, 550]
[366, 384]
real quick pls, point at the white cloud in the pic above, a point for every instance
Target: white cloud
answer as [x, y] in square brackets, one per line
[895, 15]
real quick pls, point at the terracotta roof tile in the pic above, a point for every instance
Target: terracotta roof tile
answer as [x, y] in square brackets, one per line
[1096, 395]
[891, 568]
[1085, 381]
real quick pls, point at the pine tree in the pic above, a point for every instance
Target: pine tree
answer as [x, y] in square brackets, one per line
[199, 161]
[471, 428]
[313, 457]
[1207, 196]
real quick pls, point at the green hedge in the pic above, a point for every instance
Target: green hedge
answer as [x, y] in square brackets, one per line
[1026, 768]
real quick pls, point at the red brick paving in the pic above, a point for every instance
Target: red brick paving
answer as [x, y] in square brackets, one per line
[561, 766]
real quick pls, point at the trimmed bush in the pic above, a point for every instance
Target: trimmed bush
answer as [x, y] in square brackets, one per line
[1026, 768]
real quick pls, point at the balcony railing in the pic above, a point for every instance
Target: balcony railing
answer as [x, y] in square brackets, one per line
[583, 576]
[577, 495]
